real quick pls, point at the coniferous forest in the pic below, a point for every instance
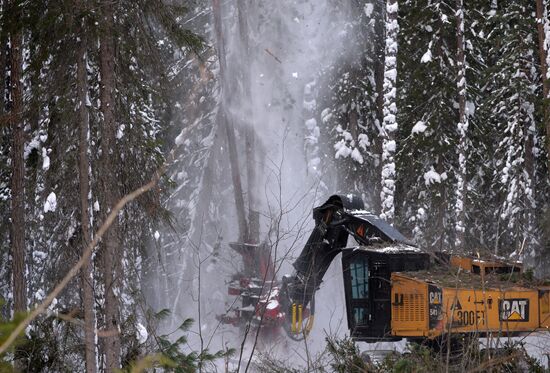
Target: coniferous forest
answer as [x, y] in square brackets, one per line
[139, 139]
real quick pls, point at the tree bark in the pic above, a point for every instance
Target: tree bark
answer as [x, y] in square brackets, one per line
[462, 127]
[529, 144]
[541, 16]
[86, 277]
[107, 183]
[542, 25]
[250, 132]
[18, 169]
[229, 128]
[3, 64]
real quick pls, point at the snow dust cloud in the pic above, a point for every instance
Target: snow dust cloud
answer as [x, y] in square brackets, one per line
[290, 42]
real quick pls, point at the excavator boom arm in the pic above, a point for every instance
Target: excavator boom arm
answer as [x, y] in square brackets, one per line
[335, 220]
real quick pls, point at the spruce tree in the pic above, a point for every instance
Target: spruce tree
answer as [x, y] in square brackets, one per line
[427, 98]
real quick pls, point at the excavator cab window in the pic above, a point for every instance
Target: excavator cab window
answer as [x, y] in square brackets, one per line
[356, 284]
[359, 279]
[359, 272]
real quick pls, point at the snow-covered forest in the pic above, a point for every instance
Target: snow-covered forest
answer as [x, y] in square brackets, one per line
[138, 139]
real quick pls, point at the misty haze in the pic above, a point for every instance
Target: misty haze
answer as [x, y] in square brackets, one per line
[274, 186]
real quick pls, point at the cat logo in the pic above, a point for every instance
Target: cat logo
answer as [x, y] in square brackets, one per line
[435, 297]
[456, 305]
[514, 310]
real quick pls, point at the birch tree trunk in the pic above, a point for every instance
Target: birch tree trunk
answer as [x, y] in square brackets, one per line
[389, 126]
[18, 167]
[107, 183]
[227, 122]
[86, 278]
[462, 127]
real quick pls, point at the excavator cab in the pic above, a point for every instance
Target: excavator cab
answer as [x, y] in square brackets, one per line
[381, 249]
[367, 271]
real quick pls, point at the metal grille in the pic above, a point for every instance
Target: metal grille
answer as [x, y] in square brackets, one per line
[413, 308]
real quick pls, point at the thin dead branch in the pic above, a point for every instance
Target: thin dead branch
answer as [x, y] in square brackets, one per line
[272, 55]
[496, 362]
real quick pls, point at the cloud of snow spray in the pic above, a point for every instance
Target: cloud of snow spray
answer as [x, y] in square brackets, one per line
[290, 42]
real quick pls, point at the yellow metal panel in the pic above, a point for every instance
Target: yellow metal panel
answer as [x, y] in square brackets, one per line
[409, 306]
[461, 262]
[470, 310]
[465, 310]
[293, 322]
[544, 302]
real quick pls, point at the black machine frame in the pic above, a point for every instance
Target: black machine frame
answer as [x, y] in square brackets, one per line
[376, 323]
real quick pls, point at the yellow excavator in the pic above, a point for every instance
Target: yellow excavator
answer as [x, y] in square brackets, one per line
[393, 290]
